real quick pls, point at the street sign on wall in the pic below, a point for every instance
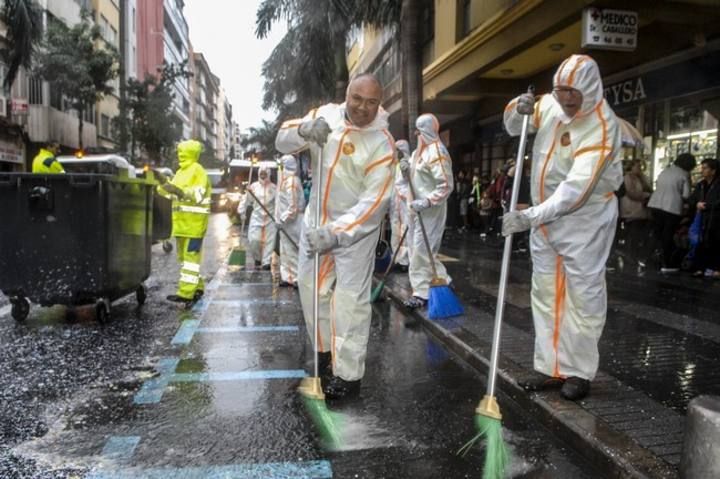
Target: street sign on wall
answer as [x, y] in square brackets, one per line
[606, 29]
[19, 106]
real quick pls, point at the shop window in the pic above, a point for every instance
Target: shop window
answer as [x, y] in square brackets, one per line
[35, 88]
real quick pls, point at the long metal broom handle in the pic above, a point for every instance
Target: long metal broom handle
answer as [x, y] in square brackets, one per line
[505, 268]
[316, 260]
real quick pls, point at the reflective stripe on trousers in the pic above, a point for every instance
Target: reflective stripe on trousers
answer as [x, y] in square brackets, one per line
[189, 255]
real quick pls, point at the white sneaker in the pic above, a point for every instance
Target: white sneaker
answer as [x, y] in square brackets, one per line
[669, 270]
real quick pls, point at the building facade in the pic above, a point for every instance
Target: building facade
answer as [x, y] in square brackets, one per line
[35, 112]
[106, 14]
[478, 55]
[206, 89]
[163, 36]
[223, 112]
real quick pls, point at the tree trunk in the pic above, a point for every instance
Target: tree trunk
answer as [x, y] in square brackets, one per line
[81, 112]
[411, 50]
[341, 69]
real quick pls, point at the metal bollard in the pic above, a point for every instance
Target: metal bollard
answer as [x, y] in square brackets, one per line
[701, 448]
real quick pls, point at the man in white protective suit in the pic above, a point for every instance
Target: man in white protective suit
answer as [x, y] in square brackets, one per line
[357, 154]
[261, 230]
[575, 170]
[430, 173]
[291, 204]
[399, 211]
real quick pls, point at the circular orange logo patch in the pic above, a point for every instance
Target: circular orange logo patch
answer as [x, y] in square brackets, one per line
[565, 139]
[348, 148]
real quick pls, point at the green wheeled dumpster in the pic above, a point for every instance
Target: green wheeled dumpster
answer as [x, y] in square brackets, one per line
[74, 239]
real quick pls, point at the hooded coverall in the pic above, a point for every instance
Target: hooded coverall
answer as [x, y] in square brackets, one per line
[262, 230]
[45, 162]
[432, 178]
[291, 204]
[575, 170]
[190, 216]
[399, 211]
[357, 180]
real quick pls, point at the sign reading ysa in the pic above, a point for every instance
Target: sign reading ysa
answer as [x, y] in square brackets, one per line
[609, 29]
[628, 91]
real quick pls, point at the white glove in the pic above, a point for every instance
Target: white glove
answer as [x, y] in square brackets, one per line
[526, 104]
[321, 240]
[471, 200]
[405, 168]
[515, 222]
[316, 131]
[419, 205]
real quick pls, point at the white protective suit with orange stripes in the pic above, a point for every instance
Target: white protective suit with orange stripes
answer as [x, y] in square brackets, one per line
[261, 229]
[575, 170]
[400, 218]
[358, 166]
[291, 204]
[432, 179]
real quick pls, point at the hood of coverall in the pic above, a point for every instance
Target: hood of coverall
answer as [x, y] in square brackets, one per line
[581, 73]
[404, 146]
[429, 127]
[267, 175]
[189, 152]
[289, 163]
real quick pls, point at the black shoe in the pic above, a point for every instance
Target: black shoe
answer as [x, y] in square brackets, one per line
[258, 264]
[415, 302]
[198, 295]
[575, 388]
[338, 388]
[540, 382]
[325, 365]
[179, 299]
[284, 284]
[266, 267]
[295, 285]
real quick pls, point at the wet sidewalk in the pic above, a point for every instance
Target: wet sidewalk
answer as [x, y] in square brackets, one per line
[659, 349]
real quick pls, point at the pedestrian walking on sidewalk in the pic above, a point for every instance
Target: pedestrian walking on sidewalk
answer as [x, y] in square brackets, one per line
[575, 170]
[358, 158]
[190, 190]
[291, 205]
[634, 213]
[262, 230]
[430, 173]
[666, 204]
[706, 199]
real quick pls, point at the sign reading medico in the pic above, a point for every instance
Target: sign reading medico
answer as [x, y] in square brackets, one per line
[609, 29]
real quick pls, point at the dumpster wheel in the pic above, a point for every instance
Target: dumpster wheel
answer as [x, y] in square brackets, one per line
[20, 308]
[141, 294]
[102, 311]
[167, 246]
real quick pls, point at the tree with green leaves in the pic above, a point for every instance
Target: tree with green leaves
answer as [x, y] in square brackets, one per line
[309, 66]
[23, 19]
[76, 62]
[261, 140]
[151, 121]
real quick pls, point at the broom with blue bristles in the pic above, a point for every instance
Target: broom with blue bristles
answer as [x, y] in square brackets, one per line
[442, 302]
[487, 414]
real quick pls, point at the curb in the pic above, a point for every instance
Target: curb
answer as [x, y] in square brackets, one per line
[612, 452]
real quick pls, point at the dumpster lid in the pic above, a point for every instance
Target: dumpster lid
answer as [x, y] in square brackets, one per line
[97, 164]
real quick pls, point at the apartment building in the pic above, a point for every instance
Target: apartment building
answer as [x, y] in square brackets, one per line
[106, 14]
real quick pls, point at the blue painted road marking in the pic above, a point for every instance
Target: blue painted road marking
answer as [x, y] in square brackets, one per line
[245, 302]
[120, 448]
[189, 328]
[186, 332]
[153, 389]
[271, 470]
[238, 376]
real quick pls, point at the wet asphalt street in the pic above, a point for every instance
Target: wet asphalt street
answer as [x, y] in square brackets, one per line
[160, 392]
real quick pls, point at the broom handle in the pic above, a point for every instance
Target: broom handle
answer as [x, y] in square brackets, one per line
[272, 218]
[505, 265]
[424, 233]
[395, 253]
[316, 262]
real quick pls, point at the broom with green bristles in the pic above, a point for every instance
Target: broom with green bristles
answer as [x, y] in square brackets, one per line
[487, 414]
[378, 289]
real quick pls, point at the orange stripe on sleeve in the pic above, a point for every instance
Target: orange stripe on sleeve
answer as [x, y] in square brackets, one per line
[589, 149]
[372, 209]
[511, 105]
[328, 183]
[600, 164]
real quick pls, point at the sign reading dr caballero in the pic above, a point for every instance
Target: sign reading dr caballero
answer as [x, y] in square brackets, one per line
[609, 29]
